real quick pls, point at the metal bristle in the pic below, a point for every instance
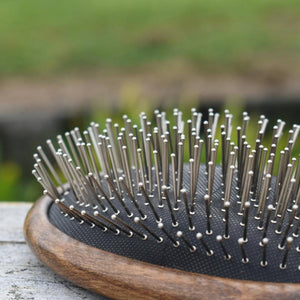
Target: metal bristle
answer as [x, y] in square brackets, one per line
[114, 175]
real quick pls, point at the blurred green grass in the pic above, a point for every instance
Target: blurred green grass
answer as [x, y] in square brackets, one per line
[50, 37]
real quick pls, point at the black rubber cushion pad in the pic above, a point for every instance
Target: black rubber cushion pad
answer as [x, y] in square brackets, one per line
[165, 254]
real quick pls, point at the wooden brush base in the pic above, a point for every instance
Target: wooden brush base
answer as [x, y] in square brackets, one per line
[120, 277]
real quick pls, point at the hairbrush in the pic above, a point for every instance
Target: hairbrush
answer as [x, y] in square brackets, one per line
[172, 209]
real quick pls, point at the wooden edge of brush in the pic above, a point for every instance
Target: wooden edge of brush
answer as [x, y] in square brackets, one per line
[123, 278]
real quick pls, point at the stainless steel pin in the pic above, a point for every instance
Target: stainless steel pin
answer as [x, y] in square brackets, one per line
[245, 259]
[190, 246]
[219, 239]
[289, 242]
[199, 237]
[139, 222]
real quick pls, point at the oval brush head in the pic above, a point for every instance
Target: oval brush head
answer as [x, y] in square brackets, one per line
[143, 195]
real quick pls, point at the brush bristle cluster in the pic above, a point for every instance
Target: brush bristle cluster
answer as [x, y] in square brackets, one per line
[173, 166]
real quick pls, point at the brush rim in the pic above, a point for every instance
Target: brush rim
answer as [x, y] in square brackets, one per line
[120, 277]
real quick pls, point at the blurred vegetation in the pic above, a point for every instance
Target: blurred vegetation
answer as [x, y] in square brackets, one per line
[50, 38]
[40, 37]
[13, 187]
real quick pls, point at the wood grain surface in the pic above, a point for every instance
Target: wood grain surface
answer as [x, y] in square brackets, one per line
[123, 278]
[22, 275]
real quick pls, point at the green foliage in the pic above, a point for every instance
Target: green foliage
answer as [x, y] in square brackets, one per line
[9, 176]
[15, 188]
[47, 38]
[51, 37]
